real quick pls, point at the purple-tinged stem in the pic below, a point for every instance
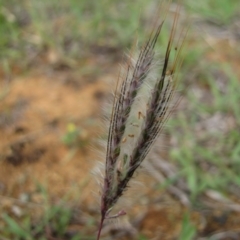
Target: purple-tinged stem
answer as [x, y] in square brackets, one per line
[100, 227]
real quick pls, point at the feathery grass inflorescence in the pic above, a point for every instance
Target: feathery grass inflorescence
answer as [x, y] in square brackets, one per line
[140, 108]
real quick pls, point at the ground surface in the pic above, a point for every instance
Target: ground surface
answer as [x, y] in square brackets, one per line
[37, 112]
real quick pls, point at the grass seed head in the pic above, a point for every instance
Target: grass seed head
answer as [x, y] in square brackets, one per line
[141, 106]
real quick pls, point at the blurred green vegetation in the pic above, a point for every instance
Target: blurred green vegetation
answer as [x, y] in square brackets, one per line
[213, 147]
[55, 220]
[221, 11]
[71, 28]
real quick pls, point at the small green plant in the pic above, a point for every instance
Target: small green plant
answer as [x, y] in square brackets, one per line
[16, 230]
[10, 33]
[188, 229]
[75, 137]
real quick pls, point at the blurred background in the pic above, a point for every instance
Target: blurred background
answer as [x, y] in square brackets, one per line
[59, 60]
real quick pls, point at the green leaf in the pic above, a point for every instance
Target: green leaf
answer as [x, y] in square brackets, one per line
[188, 229]
[14, 227]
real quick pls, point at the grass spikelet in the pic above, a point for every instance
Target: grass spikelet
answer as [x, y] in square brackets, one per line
[140, 108]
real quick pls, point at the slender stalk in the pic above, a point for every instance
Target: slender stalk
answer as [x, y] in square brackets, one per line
[100, 227]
